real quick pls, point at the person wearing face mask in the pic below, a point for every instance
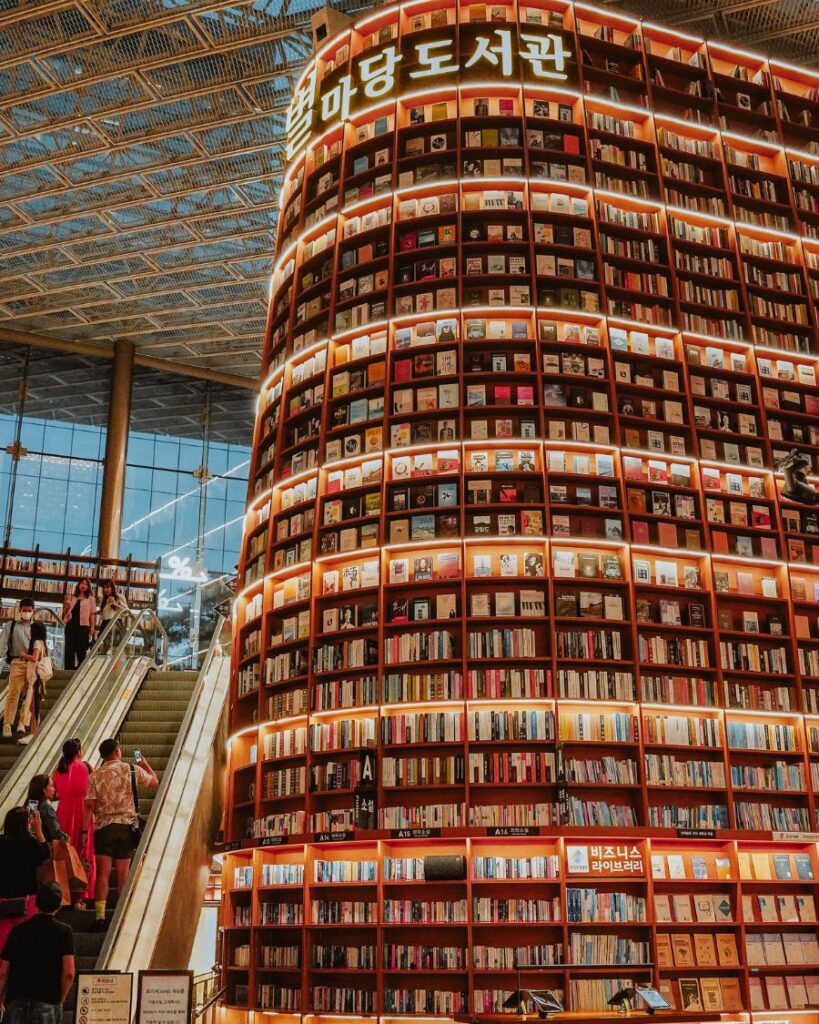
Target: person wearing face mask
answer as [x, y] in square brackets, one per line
[80, 617]
[15, 641]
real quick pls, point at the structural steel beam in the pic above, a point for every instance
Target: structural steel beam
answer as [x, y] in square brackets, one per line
[103, 351]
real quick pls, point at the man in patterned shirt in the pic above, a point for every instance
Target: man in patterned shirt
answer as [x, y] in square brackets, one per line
[110, 801]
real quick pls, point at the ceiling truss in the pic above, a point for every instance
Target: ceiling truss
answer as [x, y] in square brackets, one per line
[141, 147]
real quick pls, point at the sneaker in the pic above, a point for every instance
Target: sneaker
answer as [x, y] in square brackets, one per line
[100, 925]
[6, 731]
[23, 741]
[21, 730]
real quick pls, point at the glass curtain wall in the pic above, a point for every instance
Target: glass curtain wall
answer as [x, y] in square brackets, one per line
[184, 495]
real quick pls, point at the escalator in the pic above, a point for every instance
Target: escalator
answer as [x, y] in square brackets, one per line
[10, 750]
[90, 702]
[178, 719]
[152, 724]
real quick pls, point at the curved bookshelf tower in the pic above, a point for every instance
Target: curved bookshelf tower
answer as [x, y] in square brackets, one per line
[519, 588]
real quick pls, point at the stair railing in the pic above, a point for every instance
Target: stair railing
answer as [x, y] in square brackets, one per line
[123, 945]
[206, 994]
[96, 698]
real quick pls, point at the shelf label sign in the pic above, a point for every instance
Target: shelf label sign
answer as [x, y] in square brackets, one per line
[415, 833]
[164, 997]
[103, 997]
[604, 859]
[513, 830]
[478, 53]
[795, 837]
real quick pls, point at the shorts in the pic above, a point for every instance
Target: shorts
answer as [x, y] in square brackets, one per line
[116, 841]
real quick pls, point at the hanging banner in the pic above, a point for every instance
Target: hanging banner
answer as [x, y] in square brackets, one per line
[164, 997]
[604, 859]
[103, 997]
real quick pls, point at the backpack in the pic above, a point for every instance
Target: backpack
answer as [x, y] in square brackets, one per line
[12, 624]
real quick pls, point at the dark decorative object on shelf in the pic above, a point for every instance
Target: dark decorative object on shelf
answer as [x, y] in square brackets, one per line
[797, 486]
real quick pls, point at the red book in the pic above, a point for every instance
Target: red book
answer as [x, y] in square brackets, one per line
[403, 370]
[719, 541]
[639, 532]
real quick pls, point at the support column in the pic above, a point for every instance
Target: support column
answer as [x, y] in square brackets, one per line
[116, 450]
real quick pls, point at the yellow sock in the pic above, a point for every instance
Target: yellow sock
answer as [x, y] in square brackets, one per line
[99, 910]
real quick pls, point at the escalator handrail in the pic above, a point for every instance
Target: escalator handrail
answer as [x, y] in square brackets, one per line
[215, 648]
[90, 679]
[154, 619]
[40, 614]
[48, 613]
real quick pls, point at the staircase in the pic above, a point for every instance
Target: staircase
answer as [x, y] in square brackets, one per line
[153, 722]
[151, 725]
[10, 750]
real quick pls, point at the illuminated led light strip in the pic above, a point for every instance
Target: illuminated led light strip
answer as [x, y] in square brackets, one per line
[384, 12]
[692, 126]
[725, 48]
[712, 339]
[385, 200]
[545, 184]
[556, 704]
[755, 144]
[665, 30]
[605, 15]
[731, 468]
[377, 551]
[515, 443]
[642, 112]
[608, 15]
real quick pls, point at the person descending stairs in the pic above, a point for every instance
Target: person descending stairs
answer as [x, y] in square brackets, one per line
[10, 750]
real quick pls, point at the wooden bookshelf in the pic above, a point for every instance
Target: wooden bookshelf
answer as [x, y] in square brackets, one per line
[49, 578]
[518, 576]
[572, 911]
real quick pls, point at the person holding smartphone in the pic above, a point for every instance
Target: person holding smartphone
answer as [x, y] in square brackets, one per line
[109, 803]
[23, 848]
[41, 792]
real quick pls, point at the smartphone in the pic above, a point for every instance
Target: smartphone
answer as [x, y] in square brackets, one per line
[32, 806]
[137, 754]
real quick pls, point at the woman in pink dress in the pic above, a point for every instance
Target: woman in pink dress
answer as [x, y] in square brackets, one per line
[71, 783]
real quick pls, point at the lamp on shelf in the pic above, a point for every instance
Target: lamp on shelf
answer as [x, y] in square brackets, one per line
[622, 999]
[652, 1000]
[545, 1001]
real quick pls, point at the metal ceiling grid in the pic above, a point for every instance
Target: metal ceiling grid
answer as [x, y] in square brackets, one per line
[787, 29]
[141, 146]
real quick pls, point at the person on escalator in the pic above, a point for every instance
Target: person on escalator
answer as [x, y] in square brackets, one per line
[23, 848]
[80, 618]
[71, 781]
[111, 603]
[37, 965]
[38, 671]
[110, 804]
[42, 789]
[15, 641]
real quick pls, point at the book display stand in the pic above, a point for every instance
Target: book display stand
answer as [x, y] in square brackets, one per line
[527, 659]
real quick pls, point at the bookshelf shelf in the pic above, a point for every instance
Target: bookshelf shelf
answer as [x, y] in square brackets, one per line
[516, 526]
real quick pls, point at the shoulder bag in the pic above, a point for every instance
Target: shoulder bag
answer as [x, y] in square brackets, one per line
[138, 825]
